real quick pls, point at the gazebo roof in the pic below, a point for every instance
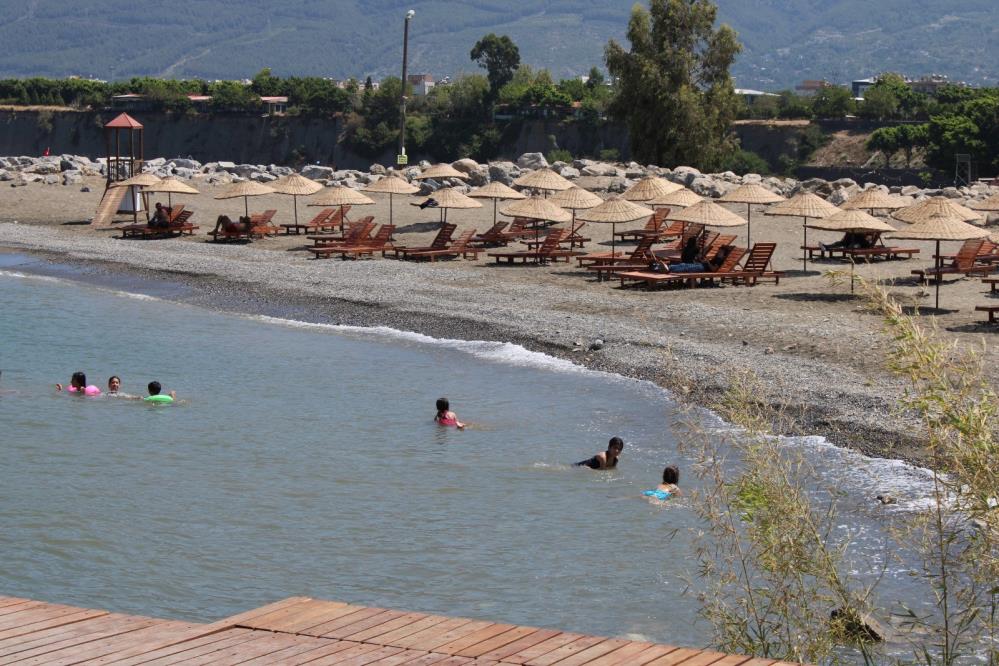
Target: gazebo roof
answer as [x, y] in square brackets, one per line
[124, 121]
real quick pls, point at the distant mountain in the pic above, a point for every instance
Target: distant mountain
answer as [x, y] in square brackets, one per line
[786, 40]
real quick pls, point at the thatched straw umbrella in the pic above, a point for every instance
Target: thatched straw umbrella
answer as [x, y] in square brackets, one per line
[139, 181]
[709, 214]
[940, 226]
[573, 199]
[392, 185]
[440, 172]
[245, 189]
[936, 206]
[543, 179]
[990, 205]
[616, 210]
[340, 196]
[496, 191]
[804, 205]
[851, 221]
[537, 209]
[650, 188]
[448, 197]
[751, 194]
[872, 199]
[296, 186]
[172, 186]
[681, 198]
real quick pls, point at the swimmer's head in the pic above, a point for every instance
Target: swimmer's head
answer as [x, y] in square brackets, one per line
[154, 388]
[114, 383]
[671, 474]
[79, 380]
[615, 444]
[443, 405]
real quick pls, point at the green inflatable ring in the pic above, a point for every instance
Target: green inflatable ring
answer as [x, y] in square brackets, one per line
[159, 399]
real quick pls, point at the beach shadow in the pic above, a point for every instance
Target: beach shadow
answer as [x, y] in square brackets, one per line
[76, 223]
[818, 298]
[795, 273]
[927, 311]
[418, 227]
[975, 327]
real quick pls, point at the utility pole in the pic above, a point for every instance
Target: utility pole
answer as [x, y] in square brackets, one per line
[401, 158]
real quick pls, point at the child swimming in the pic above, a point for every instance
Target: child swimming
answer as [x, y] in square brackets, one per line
[114, 390]
[445, 416]
[669, 487]
[78, 384]
[155, 395]
[605, 459]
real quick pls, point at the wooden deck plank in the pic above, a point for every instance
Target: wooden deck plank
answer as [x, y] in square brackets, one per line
[303, 645]
[704, 658]
[413, 639]
[732, 660]
[316, 614]
[437, 636]
[165, 651]
[131, 640]
[57, 620]
[427, 659]
[674, 657]
[79, 633]
[403, 657]
[12, 601]
[374, 621]
[761, 661]
[326, 629]
[330, 647]
[594, 652]
[566, 651]
[529, 640]
[182, 652]
[497, 642]
[651, 654]
[288, 616]
[17, 609]
[346, 655]
[458, 646]
[372, 633]
[373, 657]
[395, 636]
[257, 614]
[630, 650]
[544, 647]
[260, 645]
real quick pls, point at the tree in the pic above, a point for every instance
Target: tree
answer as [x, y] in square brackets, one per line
[833, 102]
[674, 91]
[594, 79]
[500, 57]
[879, 104]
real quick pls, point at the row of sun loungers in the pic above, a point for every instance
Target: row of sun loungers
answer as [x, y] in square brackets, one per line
[328, 219]
[260, 226]
[975, 258]
[755, 267]
[178, 225]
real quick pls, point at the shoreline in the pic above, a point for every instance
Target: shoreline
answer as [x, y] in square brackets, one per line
[832, 400]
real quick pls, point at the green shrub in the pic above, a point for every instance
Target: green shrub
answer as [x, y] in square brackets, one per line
[745, 161]
[609, 155]
[558, 155]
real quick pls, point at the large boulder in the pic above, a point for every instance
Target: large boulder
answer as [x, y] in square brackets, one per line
[843, 183]
[684, 175]
[817, 186]
[184, 163]
[951, 193]
[156, 162]
[570, 173]
[315, 172]
[43, 168]
[504, 172]
[5, 175]
[479, 176]
[376, 169]
[465, 165]
[752, 178]
[262, 177]
[181, 172]
[72, 177]
[224, 166]
[599, 169]
[707, 186]
[532, 161]
[52, 179]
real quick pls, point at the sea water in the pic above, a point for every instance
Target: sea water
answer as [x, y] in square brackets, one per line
[302, 459]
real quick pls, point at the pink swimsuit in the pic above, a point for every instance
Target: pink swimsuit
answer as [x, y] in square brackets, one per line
[446, 419]
[89, 390]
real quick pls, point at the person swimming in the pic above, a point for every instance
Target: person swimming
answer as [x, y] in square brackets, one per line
[114, 390]
[605, 459]
[670, 487]
[445, 416]
[155, 396]
[78, 384]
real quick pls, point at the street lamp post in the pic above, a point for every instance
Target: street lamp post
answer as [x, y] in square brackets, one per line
[402, 100]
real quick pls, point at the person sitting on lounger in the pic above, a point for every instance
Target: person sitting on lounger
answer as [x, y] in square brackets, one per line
[668, 488]
[690, 259]
[161, 217]
[851, 240]
[445, 416]
[605, 459]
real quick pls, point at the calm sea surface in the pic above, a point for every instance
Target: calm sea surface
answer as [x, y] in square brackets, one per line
[303, 460]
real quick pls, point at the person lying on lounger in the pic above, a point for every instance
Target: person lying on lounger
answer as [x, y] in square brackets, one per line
[225, 224]
[605, 459]
[851, 241]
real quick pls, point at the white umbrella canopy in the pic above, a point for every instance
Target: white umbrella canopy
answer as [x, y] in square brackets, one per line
[245, 189]
[295, 185]
[751, 194]
[543, 179]
[392, 185]
[649, 188]
[944, 225]
[613, 211]
[496, 191]
[805, 205]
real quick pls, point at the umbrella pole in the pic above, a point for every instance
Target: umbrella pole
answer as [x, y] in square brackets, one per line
[749, 226]
[390, 208]
[852, 265]
[341, 219]
[939, 277]
[294, 198]
[246, 206]
[804, 252]
[613, 236]
[495, 201]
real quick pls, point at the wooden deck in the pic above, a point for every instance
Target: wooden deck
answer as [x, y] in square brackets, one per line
[300, 630]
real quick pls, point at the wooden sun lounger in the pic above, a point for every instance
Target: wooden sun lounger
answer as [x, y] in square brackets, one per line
[990, 309]
[178, 226]
[356, 232]
[605, 258]
[965, 263]
[574, 238]
[726, 270]
[549, 250]
[653, 227]
[460, 248]
[440, 242]
[492, 235]
[364, 247]
[320, 222]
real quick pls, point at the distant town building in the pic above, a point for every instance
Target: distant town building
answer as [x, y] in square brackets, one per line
[811, 87]
[929, 85]
[130, 102]
[422, 84]
[860, 86]
[750, 96]
[275, 105]
[200, 102]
